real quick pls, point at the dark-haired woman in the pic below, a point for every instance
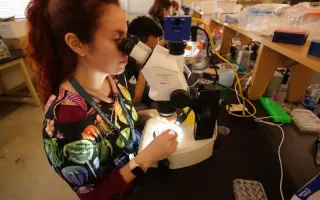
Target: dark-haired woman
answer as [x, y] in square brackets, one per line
[157, 12]
[88, 131]
[175, 8]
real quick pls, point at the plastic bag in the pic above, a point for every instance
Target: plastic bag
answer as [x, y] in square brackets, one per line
[259, 17]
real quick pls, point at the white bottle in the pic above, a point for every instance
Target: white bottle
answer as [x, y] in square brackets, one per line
[282, 94]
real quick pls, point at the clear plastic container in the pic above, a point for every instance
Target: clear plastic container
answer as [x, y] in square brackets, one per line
[258, 19]
[226, 75]
[315, 93]
[302, 18]
[265, 16]
[282, 94]
[252, 19]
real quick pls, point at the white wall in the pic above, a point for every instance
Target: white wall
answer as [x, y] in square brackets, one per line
[139, 6]
[207, 6]
[189, 2]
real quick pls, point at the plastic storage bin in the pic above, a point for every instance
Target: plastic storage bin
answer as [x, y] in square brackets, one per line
[226, 74]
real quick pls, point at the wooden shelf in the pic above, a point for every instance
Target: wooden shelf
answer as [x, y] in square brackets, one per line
[270, 57]
[297, 53]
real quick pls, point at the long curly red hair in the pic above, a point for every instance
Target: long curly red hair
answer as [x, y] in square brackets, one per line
[48, 22]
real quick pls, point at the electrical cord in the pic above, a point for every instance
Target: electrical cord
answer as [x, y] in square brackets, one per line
[209, 55]
[279, 150]
[249, 102]
[245, 76]
[244, 111]
[226, 61]
[208, 42]
[205, 32]
[217, 76]
[260, 120]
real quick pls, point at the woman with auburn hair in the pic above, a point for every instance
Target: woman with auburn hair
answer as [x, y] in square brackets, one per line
[89, 126]
[175, 8]
[157, 12]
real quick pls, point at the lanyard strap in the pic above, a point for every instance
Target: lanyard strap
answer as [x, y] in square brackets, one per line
[128, 118]
[88, 98]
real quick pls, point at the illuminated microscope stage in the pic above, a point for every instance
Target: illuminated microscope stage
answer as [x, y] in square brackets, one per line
[189, 151]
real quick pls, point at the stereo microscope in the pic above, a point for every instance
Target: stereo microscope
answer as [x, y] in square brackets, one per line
[174, 87]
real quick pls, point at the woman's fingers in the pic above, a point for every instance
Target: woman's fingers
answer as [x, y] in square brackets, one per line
[174, 147]
[165, 132]
[171, 134]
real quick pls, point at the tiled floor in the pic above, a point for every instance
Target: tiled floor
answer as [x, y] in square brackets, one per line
[24, 171]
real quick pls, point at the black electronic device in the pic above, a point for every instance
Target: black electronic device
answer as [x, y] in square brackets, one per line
[290, 36]
[205, 102]
[138, 171]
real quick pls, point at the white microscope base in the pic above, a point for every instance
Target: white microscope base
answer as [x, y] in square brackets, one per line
[189, 151]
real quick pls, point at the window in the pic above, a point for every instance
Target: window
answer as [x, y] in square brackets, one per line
[9, 8]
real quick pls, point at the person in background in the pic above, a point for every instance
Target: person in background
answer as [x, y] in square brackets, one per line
[175, 8]
[157, 12]
[148, 32]
[89, 124]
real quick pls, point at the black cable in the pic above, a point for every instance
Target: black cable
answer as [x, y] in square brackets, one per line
[207, 35]
[209, 53]
[208, 39]
[217, 76]
[210, 56]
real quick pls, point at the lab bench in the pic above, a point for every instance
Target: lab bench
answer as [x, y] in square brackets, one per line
[248, 152]
[270, 57]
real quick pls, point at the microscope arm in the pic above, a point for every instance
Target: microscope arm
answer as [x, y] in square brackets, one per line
[163, 70]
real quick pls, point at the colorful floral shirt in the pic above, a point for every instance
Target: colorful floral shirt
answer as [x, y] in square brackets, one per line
[132, 74]
[84, 151]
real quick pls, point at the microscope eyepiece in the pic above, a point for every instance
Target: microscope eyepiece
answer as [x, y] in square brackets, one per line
[133, 38]
[127, 44]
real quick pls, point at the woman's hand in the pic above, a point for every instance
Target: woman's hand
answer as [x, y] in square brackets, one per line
[160, 148]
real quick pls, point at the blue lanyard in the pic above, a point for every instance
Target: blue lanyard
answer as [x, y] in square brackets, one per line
[88, 98]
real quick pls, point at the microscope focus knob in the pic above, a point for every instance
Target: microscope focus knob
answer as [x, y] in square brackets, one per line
[165, 109]
[127, 44]
[180, 99]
